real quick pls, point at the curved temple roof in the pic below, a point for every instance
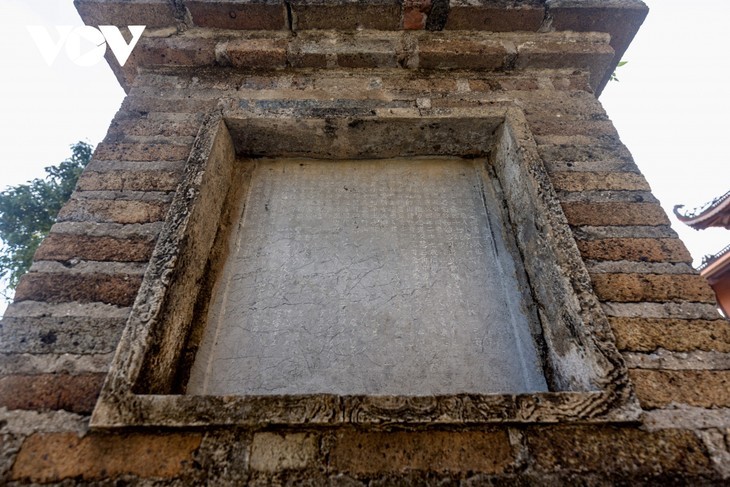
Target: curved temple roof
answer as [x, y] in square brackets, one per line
[710, 262]
[716, 213]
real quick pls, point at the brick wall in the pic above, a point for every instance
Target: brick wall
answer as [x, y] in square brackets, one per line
[58, 337]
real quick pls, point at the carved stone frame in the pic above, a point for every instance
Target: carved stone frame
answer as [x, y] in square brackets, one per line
[588, 379]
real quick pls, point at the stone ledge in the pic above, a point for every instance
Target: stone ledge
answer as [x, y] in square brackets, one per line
[255, 51]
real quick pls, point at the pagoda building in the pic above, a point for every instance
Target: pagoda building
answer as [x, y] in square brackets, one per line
[715, 268]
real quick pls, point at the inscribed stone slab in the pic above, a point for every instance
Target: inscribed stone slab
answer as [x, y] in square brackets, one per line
[383, 277]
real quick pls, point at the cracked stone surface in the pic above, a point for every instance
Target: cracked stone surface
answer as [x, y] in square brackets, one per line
[367, 277]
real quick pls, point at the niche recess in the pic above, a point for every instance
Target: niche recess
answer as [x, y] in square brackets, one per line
[560, 363]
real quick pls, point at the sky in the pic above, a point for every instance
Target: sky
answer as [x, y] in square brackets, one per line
[670, 106]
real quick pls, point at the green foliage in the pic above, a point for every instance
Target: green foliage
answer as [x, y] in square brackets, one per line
[28, 210]
[613, 75]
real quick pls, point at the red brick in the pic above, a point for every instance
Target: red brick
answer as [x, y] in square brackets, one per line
[58, 288]
[615, 214]
[635, 249]
[652, 287]
[53, 457]
[75, 393]
[381, 15]
[701, 388]
[414, 14]
[64, 247]
[414, 19]
[237, 15]
[436, 451]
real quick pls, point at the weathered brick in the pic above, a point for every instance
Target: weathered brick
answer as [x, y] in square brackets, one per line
[635, 249]
[174, 51]
[111, 211]
[150, 104]
[60, 334]
[591, 181]
[577, 81]
[238, 15]
[348, 16]
[551, 125]
[701, 388]
[53, 457]
[128, 181]
[615, 214]
[380, 452]
[156, 13]
[54, 288]
[371, 55]
[271, 452]
[447, 53]
[166, 127]
[617, 450]
[142, 152]
[76, 393]
[65, 247]
[652, 287]
[257, 53]
[594, 56]
[648, 334]
[527, 16]
[621, 19]
[611, 151]
[504, 84]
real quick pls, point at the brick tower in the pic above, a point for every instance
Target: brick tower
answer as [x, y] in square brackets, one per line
[364, 243]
